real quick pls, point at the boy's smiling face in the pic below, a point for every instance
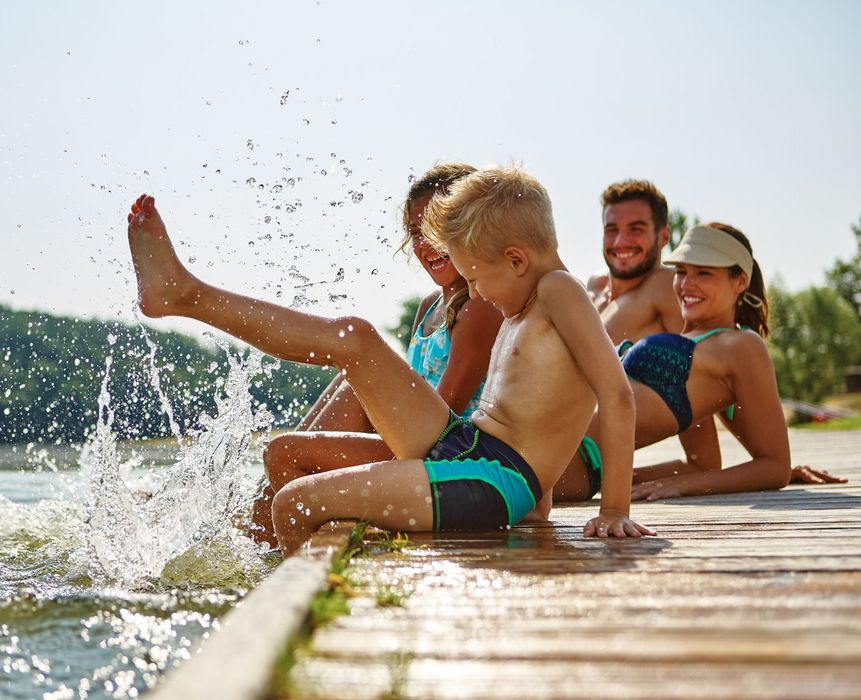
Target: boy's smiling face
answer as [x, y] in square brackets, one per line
[495, 281]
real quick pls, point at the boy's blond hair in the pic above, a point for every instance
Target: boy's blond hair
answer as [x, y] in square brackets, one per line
[489, 210]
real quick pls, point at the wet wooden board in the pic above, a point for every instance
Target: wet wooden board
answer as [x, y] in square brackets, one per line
[740, 596]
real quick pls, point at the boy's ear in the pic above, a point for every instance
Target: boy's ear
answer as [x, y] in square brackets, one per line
[517, 259]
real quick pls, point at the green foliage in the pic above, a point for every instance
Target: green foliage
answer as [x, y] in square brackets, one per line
[325, 606]
[845, 276]
[328, 605]
[386, 596]
[679, 222]
[815, 337]
[403, 329]
[398, 664]
[396, 544]
[52, 367]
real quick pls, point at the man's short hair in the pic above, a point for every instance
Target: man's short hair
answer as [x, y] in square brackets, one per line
[490, 209]
[638, 189]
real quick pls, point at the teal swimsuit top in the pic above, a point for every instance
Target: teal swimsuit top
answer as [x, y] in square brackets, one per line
[663, 363]
[428, 355]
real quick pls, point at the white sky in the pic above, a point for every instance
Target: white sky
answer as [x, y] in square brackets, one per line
[746, 112]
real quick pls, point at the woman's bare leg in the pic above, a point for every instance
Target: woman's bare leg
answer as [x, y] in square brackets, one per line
[343, 412]
[337, 409]
[392, 495]
[294, 455]
[404, 408]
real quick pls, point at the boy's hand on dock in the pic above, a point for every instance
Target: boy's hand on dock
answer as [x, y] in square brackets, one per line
[669, 487]
[610, 523]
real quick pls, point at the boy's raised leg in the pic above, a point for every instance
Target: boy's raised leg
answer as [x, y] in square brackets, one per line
[403, 408]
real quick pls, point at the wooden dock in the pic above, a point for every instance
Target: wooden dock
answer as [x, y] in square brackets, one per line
[741, 596]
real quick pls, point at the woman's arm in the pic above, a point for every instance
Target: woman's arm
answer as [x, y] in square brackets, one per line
[471, 342]
[751, 375]
[702, 453]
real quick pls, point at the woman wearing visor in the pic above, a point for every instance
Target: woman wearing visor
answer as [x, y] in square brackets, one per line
[717, 366]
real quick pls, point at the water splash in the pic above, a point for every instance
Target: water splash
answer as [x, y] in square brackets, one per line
[155, 380]
[183, 532]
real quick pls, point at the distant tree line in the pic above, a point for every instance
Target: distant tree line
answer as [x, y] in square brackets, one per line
[51, 369]
[816, 333]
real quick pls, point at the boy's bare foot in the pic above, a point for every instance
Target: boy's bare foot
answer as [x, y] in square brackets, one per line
[162, 280]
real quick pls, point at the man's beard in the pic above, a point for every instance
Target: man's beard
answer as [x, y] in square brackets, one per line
[648, 264]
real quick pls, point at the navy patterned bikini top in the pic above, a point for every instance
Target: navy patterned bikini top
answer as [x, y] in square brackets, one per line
[663, 363]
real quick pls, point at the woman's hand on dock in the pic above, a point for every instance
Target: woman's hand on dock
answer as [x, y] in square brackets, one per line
[803, 474]
[669, 487]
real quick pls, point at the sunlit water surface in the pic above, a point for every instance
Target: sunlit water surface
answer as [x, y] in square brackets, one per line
[116, 561]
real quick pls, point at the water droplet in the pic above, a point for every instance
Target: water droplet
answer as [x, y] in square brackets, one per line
[249, 145]
[375, 271]
[306, 122]
[284, 96]
[192, 260]
[341, 333]
[357, 197]
[251, 181]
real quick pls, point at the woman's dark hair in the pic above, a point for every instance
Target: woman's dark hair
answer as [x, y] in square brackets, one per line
[746, 314]
[437, 180]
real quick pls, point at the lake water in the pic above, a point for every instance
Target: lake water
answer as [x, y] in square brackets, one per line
[116, 561]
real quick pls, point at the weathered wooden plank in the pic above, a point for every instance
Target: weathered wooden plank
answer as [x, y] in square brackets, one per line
[429, 679]
[741, 596]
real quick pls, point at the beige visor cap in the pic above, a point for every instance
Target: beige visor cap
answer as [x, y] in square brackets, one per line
[711, 247]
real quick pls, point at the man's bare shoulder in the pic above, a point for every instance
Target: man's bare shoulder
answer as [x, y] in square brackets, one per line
[598, 281]
[661, 276]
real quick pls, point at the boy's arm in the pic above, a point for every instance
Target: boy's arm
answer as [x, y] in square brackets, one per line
[567, 305]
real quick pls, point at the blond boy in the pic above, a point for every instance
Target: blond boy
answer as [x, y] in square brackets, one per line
[448, 473]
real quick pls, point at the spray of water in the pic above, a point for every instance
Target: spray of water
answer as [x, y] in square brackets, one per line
[184, 532]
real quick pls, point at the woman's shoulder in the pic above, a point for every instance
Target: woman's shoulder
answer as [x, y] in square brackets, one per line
[427, 301]
[740, 347]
